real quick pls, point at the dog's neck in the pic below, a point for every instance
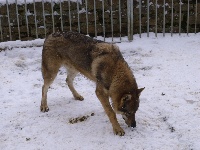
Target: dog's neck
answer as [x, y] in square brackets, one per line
[123, 79]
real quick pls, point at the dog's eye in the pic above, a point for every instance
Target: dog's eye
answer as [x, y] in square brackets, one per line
[123, 108]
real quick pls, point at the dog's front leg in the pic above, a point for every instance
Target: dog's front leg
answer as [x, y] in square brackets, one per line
[104, 99]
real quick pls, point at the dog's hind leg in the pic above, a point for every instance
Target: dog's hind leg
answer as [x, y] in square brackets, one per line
[71, 74]
[49, 73]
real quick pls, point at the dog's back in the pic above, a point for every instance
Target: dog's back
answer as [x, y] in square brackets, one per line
[69, 47]
[76, 50]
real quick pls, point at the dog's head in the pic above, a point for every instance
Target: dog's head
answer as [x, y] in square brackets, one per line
[128, 106]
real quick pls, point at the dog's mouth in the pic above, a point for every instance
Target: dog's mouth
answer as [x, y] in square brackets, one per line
[130, 120]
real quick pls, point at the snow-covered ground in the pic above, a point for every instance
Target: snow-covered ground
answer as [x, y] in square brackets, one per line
[168, 117]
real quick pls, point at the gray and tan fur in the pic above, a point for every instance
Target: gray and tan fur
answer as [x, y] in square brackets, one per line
[99, 61]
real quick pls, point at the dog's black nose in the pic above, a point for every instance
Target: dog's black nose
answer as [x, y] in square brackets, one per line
[133, 125]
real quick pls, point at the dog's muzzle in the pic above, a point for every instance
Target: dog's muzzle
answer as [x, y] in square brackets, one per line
[133, 124]
[130, 124]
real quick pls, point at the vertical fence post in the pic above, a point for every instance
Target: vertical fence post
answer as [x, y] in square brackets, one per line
[27, 28]
[196, 18]
[156, 19]
[70, 21]
[131, 36]
[35, 15]
[180, 16]
[8, 13]
[111, 16]
[120, 21]
[86, 7]
[17, 19]
[95, 19]
[52, 16]
[1, 30]
[61, 16]
[44, 18]
[172, 18]
[188, 16]
[163, 17]
[130, 19]
[78, 16]
[147, 18]
[140, 17]
[103, 20]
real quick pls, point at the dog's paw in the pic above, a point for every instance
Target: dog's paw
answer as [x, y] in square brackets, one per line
[44, 108]
[79, 97]
[119, 131]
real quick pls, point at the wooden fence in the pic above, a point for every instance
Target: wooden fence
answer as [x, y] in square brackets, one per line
[107, 18]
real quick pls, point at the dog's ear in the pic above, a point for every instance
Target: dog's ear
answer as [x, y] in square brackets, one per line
[124, 100]
[139, 91]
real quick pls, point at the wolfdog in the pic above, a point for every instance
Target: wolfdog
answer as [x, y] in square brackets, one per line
[99, 61]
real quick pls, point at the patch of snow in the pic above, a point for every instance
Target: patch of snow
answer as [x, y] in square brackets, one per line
[168, 116]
